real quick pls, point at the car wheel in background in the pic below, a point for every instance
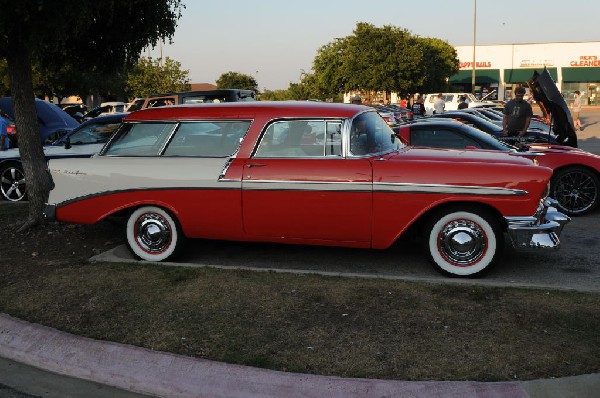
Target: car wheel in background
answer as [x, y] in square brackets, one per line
[576, 189]
[462, 243]
[12, 183]
[154, 235]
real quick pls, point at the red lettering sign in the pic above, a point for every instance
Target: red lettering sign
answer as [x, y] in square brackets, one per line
[469, 65]
[586, 60]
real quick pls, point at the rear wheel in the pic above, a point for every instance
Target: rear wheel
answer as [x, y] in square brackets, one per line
[462, 243]
[12, 183]
[154, 235]
[576, 189]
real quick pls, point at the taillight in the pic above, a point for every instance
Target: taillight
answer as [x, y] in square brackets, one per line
[11, 129]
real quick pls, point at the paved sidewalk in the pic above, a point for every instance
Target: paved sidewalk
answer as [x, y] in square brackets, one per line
[167, 375]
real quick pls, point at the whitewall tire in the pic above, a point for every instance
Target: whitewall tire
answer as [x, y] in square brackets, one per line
[462, 243]
[153, 234]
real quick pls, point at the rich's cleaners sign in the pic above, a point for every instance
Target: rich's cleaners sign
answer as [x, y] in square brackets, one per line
[469, 65]
[586, 60]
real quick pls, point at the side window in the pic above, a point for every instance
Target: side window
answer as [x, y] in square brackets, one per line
[435, 138]
[370, 134]
[141, 139]
[301, 138]
[207, 139]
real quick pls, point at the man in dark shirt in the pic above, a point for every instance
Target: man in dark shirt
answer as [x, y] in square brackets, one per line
[517, 115]
[418, 107]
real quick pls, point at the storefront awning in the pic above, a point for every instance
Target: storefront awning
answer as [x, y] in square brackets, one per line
[481, 76]
[522, 75]
[585, 74]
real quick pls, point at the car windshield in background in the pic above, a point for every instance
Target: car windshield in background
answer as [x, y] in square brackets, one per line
[91, 134]
[201, 139]
[370, 135]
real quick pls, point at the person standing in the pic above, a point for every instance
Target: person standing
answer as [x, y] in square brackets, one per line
[517, 115]
[418, 107]
[4, 140]
[463, 102]
[439, 105]
[576, 108]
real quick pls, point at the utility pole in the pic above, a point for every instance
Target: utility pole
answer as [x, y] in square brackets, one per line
[474, 44]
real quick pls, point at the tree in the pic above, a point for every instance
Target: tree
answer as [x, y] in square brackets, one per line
[152, 76]
[382, 59]
[237, 80]
[100, 35]
[440, 62]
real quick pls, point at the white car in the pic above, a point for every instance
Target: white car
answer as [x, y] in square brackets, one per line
[452, 100]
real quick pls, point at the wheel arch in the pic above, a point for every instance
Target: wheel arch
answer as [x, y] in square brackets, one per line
[446, 207]
[576, 165]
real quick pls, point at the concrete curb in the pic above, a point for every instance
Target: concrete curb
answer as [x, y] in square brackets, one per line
[162, 374]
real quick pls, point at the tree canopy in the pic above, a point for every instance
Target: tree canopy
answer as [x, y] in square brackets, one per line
[152, 76]
[97, 36]
[237, 80]
[383, 59]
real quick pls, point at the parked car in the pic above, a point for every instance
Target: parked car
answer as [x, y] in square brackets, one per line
[495, 129]
[135, 105]
[84, 141]
[115, 106]
[575, 183]
[497, 118]
[303, 173]
[199, 97]
[452, 100]
[53, 121]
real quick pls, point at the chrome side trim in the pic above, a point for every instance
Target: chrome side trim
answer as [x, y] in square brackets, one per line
[449, 189]
[379, 187]
[307, 186]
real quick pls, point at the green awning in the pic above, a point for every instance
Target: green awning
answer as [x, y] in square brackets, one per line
[585, 74]
[522, 75]
[481, 76]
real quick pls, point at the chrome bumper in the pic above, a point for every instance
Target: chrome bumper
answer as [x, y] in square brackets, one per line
[540, 231]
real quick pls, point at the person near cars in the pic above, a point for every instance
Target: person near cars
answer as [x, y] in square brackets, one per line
[463, 102]
[418, 107]
[576, 108]
[356, 100]
[439, 105]
[4, 140]
[517, 115]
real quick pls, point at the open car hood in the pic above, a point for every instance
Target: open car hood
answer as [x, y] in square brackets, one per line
[551, 101]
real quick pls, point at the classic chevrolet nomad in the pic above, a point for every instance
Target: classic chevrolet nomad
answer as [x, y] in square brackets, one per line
[304, 173]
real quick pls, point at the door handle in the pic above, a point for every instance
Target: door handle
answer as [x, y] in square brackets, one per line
[250, 165]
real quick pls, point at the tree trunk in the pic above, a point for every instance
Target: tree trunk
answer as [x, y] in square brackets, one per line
[39, 182]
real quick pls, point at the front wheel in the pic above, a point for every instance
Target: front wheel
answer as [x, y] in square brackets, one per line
[576, 189]
[154, 235]
[12, 183]
[462, 243]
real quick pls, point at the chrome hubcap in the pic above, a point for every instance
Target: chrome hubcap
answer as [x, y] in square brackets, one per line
[12, 184]
[153, 233]
[462, 242]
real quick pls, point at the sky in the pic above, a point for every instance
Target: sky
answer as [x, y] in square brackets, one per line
[276, 40]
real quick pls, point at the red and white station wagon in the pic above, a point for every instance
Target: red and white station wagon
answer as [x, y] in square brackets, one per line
[304, 173]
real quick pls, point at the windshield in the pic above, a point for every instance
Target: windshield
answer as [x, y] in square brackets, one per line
[370, 135]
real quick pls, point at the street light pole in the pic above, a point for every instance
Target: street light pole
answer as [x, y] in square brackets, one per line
[474, 43]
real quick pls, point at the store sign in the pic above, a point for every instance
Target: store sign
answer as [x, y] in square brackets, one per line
[586, 60]
[536, 63]
[469, 65]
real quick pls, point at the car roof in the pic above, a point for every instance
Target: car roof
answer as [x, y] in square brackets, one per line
[250, 110]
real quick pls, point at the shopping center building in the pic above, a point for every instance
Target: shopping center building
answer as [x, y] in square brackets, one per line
[503, 67]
